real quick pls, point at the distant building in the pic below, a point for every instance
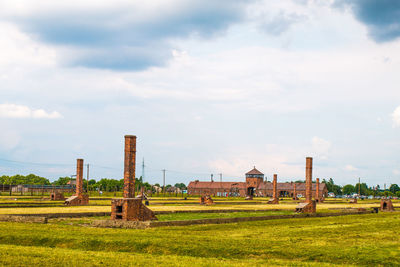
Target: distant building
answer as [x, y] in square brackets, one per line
[253, 186]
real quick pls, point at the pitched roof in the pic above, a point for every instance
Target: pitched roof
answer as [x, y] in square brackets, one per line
[289, 186]
[262, 186]
[212, 185]
[254, 171]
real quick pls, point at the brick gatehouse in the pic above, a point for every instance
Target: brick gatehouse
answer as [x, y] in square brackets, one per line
[255, 185]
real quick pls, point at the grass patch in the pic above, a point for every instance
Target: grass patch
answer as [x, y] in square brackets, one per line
[363, 240]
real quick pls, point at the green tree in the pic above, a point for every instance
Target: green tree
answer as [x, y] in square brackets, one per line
[181, 186]
[363, 189]
[394, 188]
[348, 189]
[21, 179]
[62, 180]
[332, 187]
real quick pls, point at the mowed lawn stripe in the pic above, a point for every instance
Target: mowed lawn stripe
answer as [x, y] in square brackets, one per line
[367, 240]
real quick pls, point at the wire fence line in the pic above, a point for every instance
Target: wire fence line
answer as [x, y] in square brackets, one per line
[183, 172]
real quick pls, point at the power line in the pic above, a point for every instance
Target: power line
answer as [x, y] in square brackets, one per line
[116, 169]
[36, 163]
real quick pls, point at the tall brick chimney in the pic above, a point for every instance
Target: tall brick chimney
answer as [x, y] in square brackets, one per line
[129, 166]
[275, 187]
[309, 179]
[130, 208]
[79, 177]
[294, 191]
[317, 190]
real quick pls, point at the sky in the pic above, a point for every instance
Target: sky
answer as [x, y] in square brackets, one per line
[208, 87]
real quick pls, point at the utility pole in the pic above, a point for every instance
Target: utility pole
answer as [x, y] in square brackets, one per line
[143, 170]
[220, 177]
[359, 187]
[164, 182]
[87, 179]
[212, 180]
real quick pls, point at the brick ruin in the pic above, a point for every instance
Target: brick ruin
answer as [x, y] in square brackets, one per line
[295, 192]
[386, 205]
[318, 197]
[79, 198]
[206, 200]
[254, 186]
[275, 198]
[309, 206]
[130, 208]
[57, 195]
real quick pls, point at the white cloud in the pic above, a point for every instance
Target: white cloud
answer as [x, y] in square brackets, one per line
[396, 172]
[320, 146]
[21, 112]
[349, 167]
[396, 117]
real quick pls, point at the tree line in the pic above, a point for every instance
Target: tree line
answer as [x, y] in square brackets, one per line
[104, 184]
[362, 188]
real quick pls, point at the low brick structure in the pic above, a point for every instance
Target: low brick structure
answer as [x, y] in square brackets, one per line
[130, 208]
[79, 198]
[206, 200]
[386, 205]
[309, 206]
[57, 196]
[254, 186]
[353, 201]
[275, 198]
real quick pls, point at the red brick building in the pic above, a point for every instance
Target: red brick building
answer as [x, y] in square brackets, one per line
[253, 186]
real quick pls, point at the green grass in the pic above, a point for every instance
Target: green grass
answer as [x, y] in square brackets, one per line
[173, 217]
[363, 240]
[194, 216]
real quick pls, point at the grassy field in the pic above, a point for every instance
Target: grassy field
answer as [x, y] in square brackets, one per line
[362, 240]
[287, 206]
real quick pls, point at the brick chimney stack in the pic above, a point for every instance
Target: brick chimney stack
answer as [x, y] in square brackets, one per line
[317, 190]
[309, 179]
[129, 166]
[79, 177]
[275, 185]
[294, 191]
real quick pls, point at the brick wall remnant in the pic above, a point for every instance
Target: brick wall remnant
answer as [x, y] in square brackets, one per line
[57, 195]
[386, 205]
[206, 200]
